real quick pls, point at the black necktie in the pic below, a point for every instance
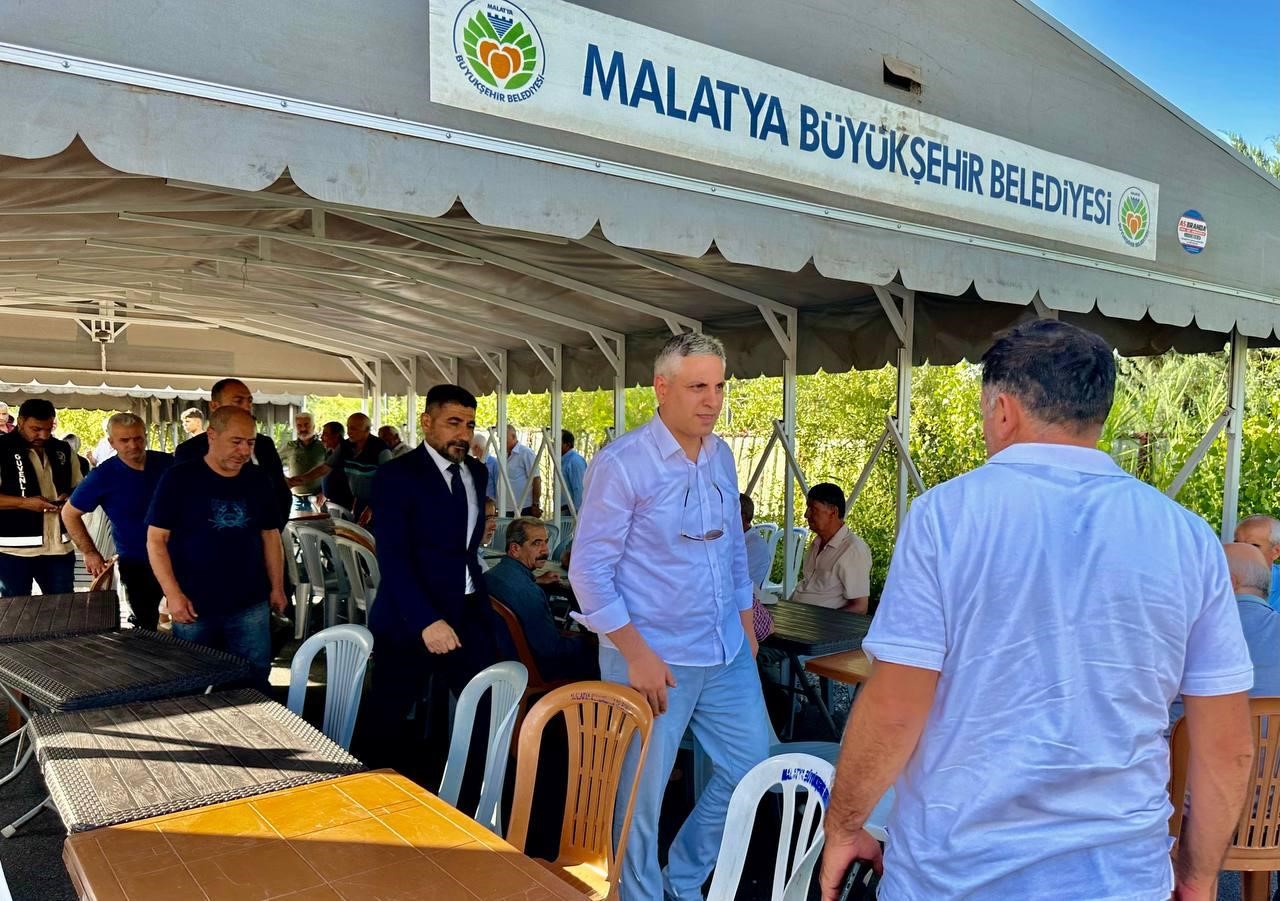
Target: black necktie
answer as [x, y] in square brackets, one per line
[459, 499]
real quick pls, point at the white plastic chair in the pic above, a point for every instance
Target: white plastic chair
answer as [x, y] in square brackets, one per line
[337, 511]
[297, 577]
[799, 535]
[767, 530]
[363, 575]
[828, 751]
[319, 547]
[788, 773]
[346, 656]
[507, 681]
[346, 527]
[499, 539]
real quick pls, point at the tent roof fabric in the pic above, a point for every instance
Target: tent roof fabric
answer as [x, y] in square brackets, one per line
[363, 221]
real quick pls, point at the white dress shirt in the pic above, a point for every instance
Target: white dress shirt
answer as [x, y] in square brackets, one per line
[1064, 604]
[631, 563]
[469, 485]
[520, 472]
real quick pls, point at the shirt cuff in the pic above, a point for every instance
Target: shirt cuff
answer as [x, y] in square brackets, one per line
[746, 599]
[905, 654]
[609, 618]
[1209, 684]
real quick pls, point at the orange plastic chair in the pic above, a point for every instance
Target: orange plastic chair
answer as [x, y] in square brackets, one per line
[538, 686]
[602, 720]
[1255, 847]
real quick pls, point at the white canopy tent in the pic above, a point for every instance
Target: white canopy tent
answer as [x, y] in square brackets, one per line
[321, 197]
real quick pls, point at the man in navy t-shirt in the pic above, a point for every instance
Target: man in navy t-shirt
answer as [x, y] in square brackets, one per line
[122, 486]
[214, 544]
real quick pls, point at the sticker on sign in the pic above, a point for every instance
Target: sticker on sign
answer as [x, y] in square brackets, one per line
[1193, 231]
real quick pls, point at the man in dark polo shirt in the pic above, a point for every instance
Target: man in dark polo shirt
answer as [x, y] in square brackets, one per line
[123, 487]
[214, 544]
[357, 458]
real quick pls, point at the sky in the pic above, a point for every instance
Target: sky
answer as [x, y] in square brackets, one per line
[1219, 62]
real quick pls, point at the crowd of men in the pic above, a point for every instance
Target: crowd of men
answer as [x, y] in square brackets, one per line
[1041, 614]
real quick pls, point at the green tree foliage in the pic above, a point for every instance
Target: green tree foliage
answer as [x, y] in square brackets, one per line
[1268, 160]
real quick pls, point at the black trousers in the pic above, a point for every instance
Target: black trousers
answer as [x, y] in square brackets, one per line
[402, 673]
[144, 592]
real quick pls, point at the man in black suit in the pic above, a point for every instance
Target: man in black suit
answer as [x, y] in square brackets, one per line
[432, 614]
[235, 393]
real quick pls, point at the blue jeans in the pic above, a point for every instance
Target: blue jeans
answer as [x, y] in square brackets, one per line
[724, 707]
[245, 633]
[304, 503]
[54, 573]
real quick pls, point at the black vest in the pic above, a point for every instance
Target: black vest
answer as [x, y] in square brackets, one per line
[18, 478]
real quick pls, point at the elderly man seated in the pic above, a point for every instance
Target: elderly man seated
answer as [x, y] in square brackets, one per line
[759, 560]
[512, 582]
[837, 567]
[1251, 580]
[1263, 532]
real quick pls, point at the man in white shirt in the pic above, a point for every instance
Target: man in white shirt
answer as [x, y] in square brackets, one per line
[1040, 614]
[660, 572]
[837, 566]
[759, 560]
[523, 475]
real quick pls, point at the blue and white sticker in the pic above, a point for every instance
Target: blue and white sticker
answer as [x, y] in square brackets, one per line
[1193, 231]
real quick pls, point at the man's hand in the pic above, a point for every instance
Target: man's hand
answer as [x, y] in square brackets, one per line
[548, 579]
[94, 563]
[839, 855]
[293, 481]
[1186, 892]
[278, 601]
[440, 638]
[39, 505]
[181, 610]
[650, 676]
[749, 627]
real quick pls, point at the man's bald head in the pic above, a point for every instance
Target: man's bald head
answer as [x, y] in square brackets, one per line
[1250, 571]
[358, 426]
[1263, 532]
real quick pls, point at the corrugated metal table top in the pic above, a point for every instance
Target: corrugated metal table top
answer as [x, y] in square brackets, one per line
[34, 617]
[808, 630]
[113, 765]
[83, 671]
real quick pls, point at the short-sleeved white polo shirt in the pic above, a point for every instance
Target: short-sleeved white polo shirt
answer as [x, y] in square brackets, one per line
[1064, 604]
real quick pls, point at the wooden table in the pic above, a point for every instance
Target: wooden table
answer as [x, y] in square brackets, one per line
[808, 631]
[34, 617]
[370, 836]
[849, 667]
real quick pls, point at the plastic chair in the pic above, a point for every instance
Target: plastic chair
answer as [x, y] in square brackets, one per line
[363, 575]
[553, 535]
[827, 751]
[767, 530]
[337, 511]
[297, 578]
[318, 549]
[537, 685]
[346, 655]
[499, 539]
[507, 682]
[787, 773]
[602, 720]
[798, 536]
[355, 532]
[106, 579]
[1255, 846]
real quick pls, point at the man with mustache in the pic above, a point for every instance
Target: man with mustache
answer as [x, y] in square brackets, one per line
[432, 614]
[37, 473]
[213, 539]
[512, 581]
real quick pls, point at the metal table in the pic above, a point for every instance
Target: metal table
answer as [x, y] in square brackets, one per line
[803, 630]
[112, 765]
[374, 835]
[85, 671]
[33, 617]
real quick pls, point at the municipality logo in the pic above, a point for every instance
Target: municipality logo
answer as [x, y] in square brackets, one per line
[499, 50]
[1135, 217]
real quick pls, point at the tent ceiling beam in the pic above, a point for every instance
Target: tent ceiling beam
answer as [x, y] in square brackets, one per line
[77, 317]
[236, 259]
[675, 321]
[296, 237]
[884, 295]
[139, 374]
[446, 366]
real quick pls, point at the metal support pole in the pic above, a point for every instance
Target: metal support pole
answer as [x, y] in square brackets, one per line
[376, 392]
[411, 404]
[1237, 367]
[904, 406]
[557, 423]
[620, 391]
[789, 378]
[501, 450]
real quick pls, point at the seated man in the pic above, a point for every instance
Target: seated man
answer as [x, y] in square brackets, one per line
[512, 582]
[837, 566]
[1251, 580]
[759, 560]
[490, 527]
[1263, 532]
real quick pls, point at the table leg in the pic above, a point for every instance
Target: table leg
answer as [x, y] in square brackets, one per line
[23, 748]
[814, 696]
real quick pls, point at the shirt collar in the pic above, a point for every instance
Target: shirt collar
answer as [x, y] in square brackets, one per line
[440, 461]
[513, 563]
[668, 446]
[1253, 599]
[1066, 456]
[837, 540]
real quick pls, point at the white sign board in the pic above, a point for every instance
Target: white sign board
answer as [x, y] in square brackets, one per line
[553, 64]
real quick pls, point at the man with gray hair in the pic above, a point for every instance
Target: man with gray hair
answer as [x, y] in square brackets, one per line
[304, 453]
[1040, 615]
[1263, 532]
[1252, 581]
[659, 568]
[123, 487]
